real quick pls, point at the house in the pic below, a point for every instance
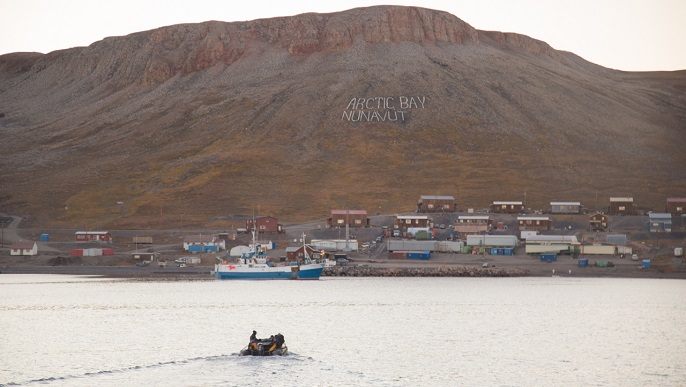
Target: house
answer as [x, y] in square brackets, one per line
[676, 206]
[93, 236]
[353, 218]
[145, 256]
[404, 222]
[507, 207]
[264, 224]
[534, 223]
[24, 248]
[296, 253]
[598, 222]
[203, 243]
[472, 225]
[660, 222]
[565, 207]
[429, 203]
[621, 206]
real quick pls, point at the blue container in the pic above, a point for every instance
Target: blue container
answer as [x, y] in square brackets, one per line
[494, 251]
[195, 249]
[44, 237]
[583, 262]
[508, 251]
[211, 248]
[645, 264]
[548, 257]
[422, 255]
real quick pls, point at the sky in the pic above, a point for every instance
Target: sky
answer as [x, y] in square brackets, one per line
[630, 35]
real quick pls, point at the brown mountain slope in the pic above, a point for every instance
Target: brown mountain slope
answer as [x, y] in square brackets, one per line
[367, 108]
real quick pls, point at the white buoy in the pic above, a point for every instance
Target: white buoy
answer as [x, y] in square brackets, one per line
[553, 271]
[570, 271]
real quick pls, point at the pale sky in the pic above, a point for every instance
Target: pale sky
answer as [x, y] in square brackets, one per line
[631, 35]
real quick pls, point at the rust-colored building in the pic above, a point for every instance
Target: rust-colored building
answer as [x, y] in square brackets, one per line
[534, 223]
[507, 207]
[473, 225]
[429, 203]
[264, 224]
[296, 253]
[599, 222]
[676, 206]
[621, 206]
[354, 218]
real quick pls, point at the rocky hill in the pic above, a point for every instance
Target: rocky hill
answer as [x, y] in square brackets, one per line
[294, 116]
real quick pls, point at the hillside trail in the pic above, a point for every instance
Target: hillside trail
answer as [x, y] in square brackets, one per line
[10, 234]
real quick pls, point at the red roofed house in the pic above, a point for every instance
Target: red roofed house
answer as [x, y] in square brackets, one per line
[24, 248]
[354, 218]
[264, 224]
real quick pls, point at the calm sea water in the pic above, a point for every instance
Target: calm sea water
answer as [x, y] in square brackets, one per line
[75, 331]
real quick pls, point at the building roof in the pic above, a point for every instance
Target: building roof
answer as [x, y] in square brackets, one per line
[660, 215]
[552, 238]
[508, 203]
[676, 200]
[92, 232]
[348, 212]
[565, 203]
[23, 245]
[198, 239]
[474, 217]
[533, 218]
[412, 217]
[436, 197]
[624, 199]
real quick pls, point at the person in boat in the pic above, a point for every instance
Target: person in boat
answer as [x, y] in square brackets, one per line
[279, 340]
[253, 340]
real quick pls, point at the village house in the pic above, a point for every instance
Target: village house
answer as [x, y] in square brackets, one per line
[24, 248]
[565, 207]
[93, 236]
[353, 218]
[507, 207]
[472, 225]
[296, 253]
[264, 224]
[660, 222]
[534, 223]
[676, 206]
[621, 206]
[404, 222]
[598, 222]
[429, 203]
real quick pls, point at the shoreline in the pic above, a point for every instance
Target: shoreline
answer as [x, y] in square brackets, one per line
[379, 270]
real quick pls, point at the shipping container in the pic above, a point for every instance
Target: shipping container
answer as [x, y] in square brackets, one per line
[211, 248]
[678, 251]
[397, 255]
[107, 251]
[548, 257]
[645, 264]
[142, 239]
[492, 240]
[598, 249]
[449, 246]
[77, 252]
[583, 262]
[421, 255]
[195, 248]
[44, 237]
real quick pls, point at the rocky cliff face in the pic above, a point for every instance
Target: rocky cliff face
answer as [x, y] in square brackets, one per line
[371, 107]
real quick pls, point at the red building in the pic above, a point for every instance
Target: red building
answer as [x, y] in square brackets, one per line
[534, 223]
[431, 203]
[676, 206]
[354, 218]
[264, 224]
[296, 253]
[622, 206]
[507, 207]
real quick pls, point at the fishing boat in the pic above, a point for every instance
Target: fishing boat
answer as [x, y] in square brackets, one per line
[257, 265]
[266, 347]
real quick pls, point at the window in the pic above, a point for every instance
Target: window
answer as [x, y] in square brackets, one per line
[408, 221]
[504, 206]
[680, 209]
[339, 221]
[622, 208]
[358, 221]
[431, 206]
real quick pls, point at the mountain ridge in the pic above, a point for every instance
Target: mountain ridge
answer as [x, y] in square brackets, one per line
[198, 115]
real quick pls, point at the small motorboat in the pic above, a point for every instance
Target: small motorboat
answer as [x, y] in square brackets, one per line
[273, 346]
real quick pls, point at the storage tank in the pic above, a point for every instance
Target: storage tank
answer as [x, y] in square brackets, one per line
[678, 251]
